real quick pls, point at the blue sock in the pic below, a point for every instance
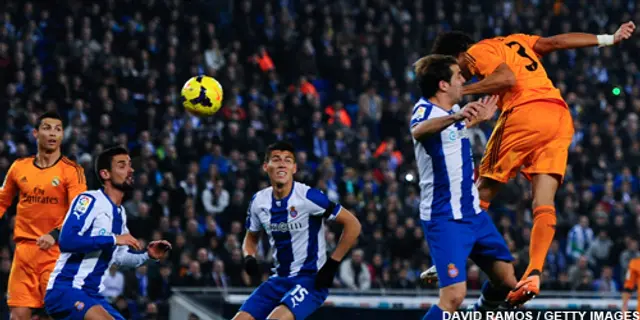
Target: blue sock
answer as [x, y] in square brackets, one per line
[434, 313]
[491, 298]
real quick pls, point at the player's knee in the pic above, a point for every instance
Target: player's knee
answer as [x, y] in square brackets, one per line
[452, 297]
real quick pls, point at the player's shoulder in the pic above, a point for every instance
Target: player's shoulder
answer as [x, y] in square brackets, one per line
[24, 162]
[635, 263]
[262, 198]
[66, 162]
[86, 201]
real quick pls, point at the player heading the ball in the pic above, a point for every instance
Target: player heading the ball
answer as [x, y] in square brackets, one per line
[455, 226]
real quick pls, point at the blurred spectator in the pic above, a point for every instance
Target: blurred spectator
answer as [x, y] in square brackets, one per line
[579, 272]
[579, 239]
[113, 283]
[354, 272]
[606, 283]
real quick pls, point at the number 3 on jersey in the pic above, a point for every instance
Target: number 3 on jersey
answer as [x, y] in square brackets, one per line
[298, 294]
[522, 51]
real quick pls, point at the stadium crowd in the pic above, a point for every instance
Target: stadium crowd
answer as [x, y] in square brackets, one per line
[335, 78]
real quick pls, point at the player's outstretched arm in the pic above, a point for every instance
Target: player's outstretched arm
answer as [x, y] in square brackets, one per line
[156, 250]
[75, 235]
[501, 78]
[423, 127]
[580, 40]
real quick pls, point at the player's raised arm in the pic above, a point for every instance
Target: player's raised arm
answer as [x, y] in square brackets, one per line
[8, 191]
[574, 40]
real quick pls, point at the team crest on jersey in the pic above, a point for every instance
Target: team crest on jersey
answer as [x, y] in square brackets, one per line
[82, 205]
[453, 271]
[55, 182]
[293, 212]
[102, 232]
[79, 305]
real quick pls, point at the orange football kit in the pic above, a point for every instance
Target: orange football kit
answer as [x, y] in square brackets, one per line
[44, 198]
[535, 128]
[632, 280]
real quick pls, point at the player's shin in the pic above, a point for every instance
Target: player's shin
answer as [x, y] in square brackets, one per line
[491, 297]
[542, 233]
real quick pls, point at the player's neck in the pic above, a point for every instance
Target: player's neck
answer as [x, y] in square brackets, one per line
[282, 190]
[441, 100]
[47, 159]
[115, 195]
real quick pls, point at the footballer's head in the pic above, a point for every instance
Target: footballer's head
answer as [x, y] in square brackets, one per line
[280, 163]
[453, 43]
[439, 75]
[48, 132]
[113, 167]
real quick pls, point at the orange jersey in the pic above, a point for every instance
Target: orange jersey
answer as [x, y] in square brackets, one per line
[44, 195]
[516, 50]
[632, 279]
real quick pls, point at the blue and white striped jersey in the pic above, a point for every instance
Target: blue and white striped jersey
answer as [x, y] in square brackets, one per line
[445, 165]
[295, 226]
[87, 243]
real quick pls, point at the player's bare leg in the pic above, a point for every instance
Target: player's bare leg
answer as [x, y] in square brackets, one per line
[281, 312]
[451, 297]
[97, 312]
[20, 313]
[544, 227]
[243, 316]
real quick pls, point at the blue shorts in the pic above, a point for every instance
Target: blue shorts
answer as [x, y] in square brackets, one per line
[297, 293]
[73, 304]
[451, 242]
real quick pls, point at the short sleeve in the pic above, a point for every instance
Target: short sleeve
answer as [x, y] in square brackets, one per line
[329, 209]
[528, 40]
[420, 113]
[485, 58]
[253, 223]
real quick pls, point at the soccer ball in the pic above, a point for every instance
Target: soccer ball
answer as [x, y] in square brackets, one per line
[202, 96]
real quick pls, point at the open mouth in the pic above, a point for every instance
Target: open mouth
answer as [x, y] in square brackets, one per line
[52, 141]
[281, 173]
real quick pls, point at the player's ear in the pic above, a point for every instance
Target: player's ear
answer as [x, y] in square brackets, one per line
[34, 132]
[264, 167]
[104, 174]
[295, 168]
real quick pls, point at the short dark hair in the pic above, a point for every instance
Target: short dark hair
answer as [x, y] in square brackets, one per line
[47, 115]
[432, 69]
[280, 146]
[452, 43]
[103, 161]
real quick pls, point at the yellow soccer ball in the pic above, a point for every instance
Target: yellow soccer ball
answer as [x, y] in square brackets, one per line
[202, 96]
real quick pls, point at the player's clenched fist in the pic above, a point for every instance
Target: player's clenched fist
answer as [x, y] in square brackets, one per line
[624, 32]
[128, 240]
[45, 241]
